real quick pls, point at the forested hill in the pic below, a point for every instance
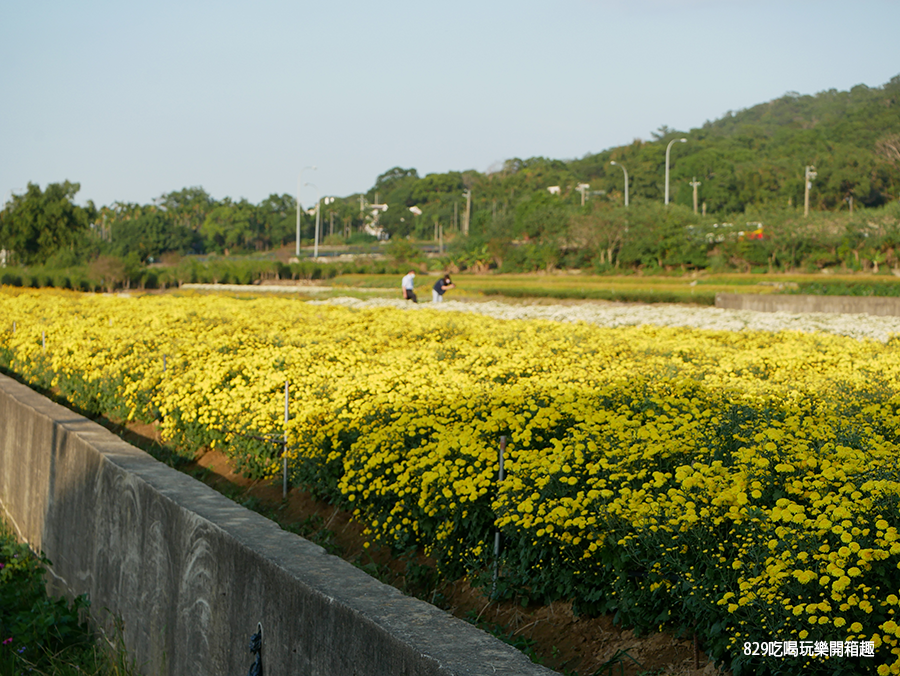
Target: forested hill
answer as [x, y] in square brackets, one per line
[750, 158]
[749, 166]
[758, 155]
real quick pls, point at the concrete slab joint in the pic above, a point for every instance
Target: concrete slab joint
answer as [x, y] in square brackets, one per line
[191, 573]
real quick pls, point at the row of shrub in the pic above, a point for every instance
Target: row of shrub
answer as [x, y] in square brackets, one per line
[106, 275]
[700, 297]
[867, 288]
[110, 275]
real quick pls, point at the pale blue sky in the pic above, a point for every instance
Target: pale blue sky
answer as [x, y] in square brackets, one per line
[136, 99]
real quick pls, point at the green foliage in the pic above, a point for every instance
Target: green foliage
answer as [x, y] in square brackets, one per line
[749, 165]
[109, 273]
[867, 288]
[527, 257]
[38, 633]
[38, 224]
[150, 235]
[401, 251]
[394, 178]
[228, 227]
[620, 295]
[749, 160]
[540, 216]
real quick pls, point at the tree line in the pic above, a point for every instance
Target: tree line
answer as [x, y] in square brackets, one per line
[746, 160]
[746, 167]
[46, 227]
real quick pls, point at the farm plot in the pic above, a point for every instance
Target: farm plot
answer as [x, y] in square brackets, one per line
[740, 485]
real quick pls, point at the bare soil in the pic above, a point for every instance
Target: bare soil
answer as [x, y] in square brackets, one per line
[552, 635]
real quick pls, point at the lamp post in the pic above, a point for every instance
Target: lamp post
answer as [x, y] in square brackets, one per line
[297, 250]
[316, 244]
[668, 148]
[626, 179]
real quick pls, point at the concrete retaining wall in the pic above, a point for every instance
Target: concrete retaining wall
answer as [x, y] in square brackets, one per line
[190, 573]
[870, 305]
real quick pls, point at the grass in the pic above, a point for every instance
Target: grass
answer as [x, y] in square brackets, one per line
[47, 636]
[699, 289]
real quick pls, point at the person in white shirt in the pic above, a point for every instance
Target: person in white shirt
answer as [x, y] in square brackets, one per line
[406, 285]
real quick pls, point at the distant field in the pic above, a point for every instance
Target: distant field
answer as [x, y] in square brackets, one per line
[699, 290]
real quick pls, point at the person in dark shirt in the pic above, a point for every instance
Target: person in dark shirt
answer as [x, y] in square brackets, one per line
[441, 286]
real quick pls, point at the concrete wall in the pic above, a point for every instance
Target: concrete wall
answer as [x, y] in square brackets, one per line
[869, 305]
[191, 573]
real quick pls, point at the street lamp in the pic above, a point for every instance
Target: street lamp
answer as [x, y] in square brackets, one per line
[626, 179]
[316, 244]
[668, 148]
[297, 251]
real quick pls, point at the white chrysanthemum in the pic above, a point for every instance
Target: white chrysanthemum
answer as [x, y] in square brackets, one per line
[860, 327]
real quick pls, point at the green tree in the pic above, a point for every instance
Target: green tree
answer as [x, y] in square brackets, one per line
[601, 227]
[275, 221]
[541, 216]
[37, 224]
[229, 227]
[151, 235]
[187, 207]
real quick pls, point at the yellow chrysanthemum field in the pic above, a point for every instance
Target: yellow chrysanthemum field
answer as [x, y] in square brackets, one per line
[743, 485]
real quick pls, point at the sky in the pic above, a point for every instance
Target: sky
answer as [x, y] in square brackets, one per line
[134, 100]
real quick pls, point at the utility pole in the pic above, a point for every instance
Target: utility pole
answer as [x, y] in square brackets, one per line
[695, 184]
[455, 217]
[583, 188]
[808, 177]
[468, 215]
